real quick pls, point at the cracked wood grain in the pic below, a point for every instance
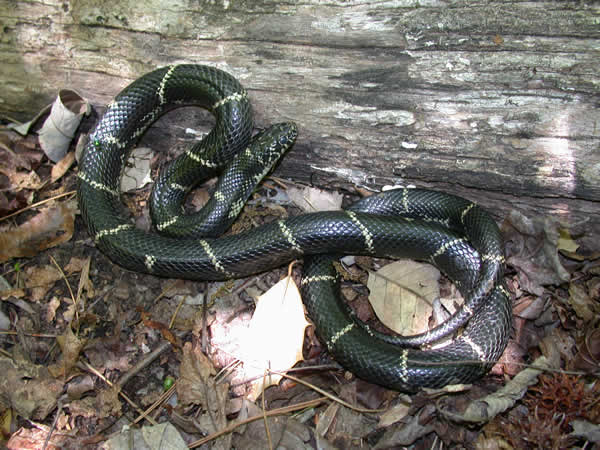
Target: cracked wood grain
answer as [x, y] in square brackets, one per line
[494, 101]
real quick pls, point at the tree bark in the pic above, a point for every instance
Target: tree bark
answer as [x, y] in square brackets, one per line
[495, 101]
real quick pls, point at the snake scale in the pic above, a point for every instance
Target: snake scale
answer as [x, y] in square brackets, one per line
[450, 232]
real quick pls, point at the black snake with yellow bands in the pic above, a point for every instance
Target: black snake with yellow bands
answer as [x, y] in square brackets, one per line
[448, 231]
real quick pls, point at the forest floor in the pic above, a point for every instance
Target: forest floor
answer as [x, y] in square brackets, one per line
[95, 355]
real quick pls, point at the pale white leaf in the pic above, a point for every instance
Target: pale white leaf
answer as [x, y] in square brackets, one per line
[59, 127]
[275, 334]
[158, 437]
[137, 171]
[312, 199]
[402, 294]
[394, 414]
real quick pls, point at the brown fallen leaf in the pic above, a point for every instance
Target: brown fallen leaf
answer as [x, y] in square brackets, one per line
[28, 388]
[16, 293]
[33, 438]
[85, 284]
[62, 166]
[14, 202]
[109, 354]
[105, 404]
[76, 265]
[79, 386]
[583, 305]
[6, 420]
[51, 308]
[24, 180]
[394, 414]
[287, 432]
[71, 347]
[486, 408]
[197, 386]
[108, 403]
[588, 352]
[50, 227]
[40, 280]
[11, 159]
[164, 330]
[532, 246]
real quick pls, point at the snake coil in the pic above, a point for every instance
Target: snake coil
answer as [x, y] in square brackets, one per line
[448, 231]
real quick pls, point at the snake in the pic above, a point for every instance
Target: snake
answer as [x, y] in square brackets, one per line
[450, 232]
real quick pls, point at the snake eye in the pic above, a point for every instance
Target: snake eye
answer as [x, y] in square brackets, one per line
[97, 143]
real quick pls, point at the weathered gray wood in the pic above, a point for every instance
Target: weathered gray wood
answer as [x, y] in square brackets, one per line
[496, 101]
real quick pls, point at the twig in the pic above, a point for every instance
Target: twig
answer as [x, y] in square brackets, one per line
[164, 397]
[143, 363]
[35, 205]
[204, 341]
[127, 399]
[68, 287]
[264, 411]
[327, 394]
[177, 309]
[53, 426]
[40, 335]
[275, 412]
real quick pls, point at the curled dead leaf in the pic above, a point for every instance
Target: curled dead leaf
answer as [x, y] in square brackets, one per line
[59, 127]
[588, 355]
[50, 227]
[62, 166]
[488, 407]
